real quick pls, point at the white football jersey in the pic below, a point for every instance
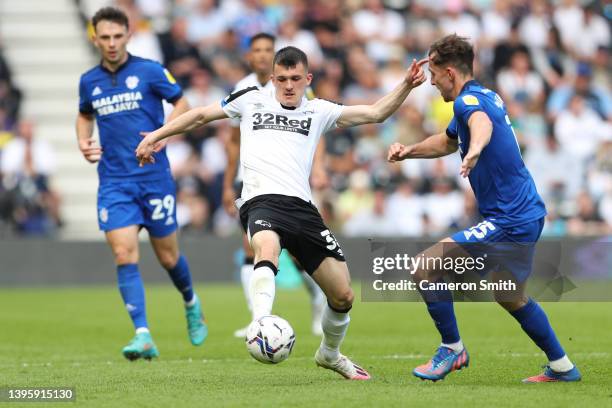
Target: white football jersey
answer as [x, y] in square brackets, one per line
[247, 82]
[277, 145]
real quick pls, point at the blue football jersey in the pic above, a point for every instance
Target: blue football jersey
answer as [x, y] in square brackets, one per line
[125, 103]
[502, 184]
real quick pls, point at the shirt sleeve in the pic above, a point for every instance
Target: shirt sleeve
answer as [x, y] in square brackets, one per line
[235, 122]
[164, 85]
[451, 130]
[465, 105]
[331, 112]
[84, 102]
[234, 104]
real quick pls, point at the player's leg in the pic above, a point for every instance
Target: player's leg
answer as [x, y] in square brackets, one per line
[317, 298]
[167, 251]
[317, 303]
[534, 322]
[451, 355]
[246, 270]
[124, 244]
[332, 275]
[516, 261]
[266, 248]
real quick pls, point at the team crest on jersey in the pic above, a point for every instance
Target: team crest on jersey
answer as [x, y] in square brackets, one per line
[103, 215]
[97, 91]
[470, 100]
[132, 81]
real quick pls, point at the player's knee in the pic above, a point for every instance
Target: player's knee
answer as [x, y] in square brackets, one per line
[510, 304]
[267, 251]
[422, 274]
[125, 254]
[168, 259]
[342, 300]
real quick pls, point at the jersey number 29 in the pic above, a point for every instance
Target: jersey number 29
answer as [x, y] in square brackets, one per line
[167, 203]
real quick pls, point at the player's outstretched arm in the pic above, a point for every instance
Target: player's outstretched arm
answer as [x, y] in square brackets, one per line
[434, 146]
[87, 145]
[385, 106]
[189, 120]
[481, 129]
[180, 106]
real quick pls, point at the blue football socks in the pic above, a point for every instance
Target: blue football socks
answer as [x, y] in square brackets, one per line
[181, 277]
[132, 292]
[534, 322]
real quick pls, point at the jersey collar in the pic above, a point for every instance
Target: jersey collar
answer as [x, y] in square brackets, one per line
[119, 68]
[304, 99]
[467, 85]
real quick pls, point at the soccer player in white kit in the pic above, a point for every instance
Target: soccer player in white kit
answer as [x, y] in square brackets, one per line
[280, 132]
[259, 57]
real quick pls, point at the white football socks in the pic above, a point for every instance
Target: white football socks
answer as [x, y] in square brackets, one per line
[561, 365]
[192, 301]
[245, 277]
[335, 326]
[142, 330]
[456, 347]
[261, 291]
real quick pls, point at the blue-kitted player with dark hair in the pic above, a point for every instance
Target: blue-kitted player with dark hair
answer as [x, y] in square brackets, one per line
[124, 94]
[507, 198]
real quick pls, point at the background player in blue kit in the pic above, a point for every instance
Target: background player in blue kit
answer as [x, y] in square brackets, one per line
[507, 199]
[124, 94]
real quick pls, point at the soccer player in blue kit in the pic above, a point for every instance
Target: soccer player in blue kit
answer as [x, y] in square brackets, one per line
[124, 95]
[507, 199]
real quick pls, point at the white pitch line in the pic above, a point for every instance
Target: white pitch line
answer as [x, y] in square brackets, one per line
[600, 354]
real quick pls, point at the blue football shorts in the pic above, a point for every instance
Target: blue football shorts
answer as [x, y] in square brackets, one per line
[149, 204]
[508, 249]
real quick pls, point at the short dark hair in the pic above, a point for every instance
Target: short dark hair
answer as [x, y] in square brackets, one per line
[290, 57]
[455, 51]
[260, 36]
[110, 14]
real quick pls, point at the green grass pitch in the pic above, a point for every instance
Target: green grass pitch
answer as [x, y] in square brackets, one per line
[73, 337]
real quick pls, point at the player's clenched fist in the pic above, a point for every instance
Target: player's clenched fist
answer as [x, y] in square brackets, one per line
[90, 150]
[145, 150]
[397, 152]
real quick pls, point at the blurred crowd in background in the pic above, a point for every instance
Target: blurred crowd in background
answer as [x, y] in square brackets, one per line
[548, 60]
[28, 205]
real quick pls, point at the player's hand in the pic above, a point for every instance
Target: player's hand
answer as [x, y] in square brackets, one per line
[90, 150]
[319, 179]
[228, 198]
[416, 74]
[397, 152]
[159, 145]
[145, 150]
[469, 162]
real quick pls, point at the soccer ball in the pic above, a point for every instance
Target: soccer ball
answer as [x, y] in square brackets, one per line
[270, 339]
